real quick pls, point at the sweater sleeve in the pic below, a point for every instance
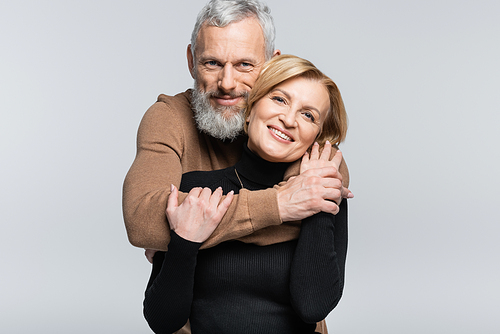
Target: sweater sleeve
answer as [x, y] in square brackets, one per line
[168, 297]
[318, 266]
[156, 166]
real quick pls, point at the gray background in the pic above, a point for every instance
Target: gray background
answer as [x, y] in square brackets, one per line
[420, 80]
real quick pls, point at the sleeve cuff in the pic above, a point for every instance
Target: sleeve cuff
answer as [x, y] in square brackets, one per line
[262, 207]
[181, 245]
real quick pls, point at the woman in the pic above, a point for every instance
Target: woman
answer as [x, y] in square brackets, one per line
[236, 287]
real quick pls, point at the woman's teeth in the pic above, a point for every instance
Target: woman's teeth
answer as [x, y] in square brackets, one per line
[280, 134]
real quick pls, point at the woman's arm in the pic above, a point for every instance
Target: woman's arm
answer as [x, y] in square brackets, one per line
[317, 273]
[168, 297]
[318, 266]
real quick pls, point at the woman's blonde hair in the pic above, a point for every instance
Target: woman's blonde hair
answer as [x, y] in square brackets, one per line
[285, 67]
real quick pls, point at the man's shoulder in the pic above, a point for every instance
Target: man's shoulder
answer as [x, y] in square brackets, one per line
[170, 118]
[181, 99]
[172, 109]
[177, 105]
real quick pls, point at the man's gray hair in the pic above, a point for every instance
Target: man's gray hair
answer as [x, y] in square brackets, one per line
[221, 13]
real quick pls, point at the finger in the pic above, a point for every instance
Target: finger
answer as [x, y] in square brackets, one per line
[333, 194]
[173, 198]
[305, 158]
[216, 196]
[206, 193]
[331, 183]
[337, 159]
[327, 150]
[315, 151]
[304, 162]
[330, 207]
[346, 193]
[195, 192]
[224, 205]
[150, 253]
[324, 172]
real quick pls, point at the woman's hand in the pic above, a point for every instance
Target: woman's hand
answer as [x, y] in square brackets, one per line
[315, 161]
[200, 213]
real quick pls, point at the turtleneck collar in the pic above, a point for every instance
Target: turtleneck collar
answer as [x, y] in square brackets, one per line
[258, 170]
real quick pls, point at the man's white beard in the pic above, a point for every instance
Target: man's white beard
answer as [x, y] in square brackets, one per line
[212, 120]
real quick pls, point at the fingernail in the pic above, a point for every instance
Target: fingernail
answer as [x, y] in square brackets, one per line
[316, 143]
[327, 142]
[171, 188]
[231, 192]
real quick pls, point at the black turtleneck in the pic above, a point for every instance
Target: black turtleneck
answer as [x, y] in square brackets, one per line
[244, 288]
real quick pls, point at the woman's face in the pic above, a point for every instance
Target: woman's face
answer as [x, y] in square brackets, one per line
[285, 122]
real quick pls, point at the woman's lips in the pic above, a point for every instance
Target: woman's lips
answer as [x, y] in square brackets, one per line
[281, 134]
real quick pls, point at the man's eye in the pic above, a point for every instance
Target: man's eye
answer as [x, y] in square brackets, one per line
[211, 63]
[246, 64]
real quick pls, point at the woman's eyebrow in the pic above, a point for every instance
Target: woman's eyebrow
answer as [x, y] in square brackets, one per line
[283, 92]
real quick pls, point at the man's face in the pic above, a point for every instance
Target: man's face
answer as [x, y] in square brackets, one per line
[227, 62]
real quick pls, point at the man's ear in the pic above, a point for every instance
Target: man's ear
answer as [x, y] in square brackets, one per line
[190, 60]
[276, 52]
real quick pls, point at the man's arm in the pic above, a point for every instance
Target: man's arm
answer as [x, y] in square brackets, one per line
[169, 144]
[164, 136]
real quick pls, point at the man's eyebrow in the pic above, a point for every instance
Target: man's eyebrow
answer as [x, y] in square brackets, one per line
[204, 58]
[247, 60]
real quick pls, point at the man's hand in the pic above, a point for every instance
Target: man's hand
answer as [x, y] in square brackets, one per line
[317, 188]
[150, 253]
[200, 213]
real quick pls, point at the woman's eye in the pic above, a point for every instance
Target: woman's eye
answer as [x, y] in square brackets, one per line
[278, 99]
[309, 115]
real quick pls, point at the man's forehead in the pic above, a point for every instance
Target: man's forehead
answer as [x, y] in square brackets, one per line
[243, 39]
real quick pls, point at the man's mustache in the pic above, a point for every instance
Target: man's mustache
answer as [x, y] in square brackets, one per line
[232, 95]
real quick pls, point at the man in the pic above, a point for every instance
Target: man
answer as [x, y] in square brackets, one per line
[225, 56]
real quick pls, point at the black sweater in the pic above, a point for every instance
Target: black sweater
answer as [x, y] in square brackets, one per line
[244, 288]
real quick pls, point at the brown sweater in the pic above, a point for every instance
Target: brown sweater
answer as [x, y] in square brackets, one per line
[168, 145]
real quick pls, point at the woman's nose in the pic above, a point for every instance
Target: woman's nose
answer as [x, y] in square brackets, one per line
[288, 118]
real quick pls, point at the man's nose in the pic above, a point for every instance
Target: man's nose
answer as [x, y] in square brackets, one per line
[227, 78]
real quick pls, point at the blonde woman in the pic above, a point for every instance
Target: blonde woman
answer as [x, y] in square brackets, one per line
[236, 287]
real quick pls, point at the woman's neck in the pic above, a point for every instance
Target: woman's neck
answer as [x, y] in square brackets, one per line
[255, 169]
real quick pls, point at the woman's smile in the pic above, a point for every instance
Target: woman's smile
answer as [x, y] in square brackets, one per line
[281, 134]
